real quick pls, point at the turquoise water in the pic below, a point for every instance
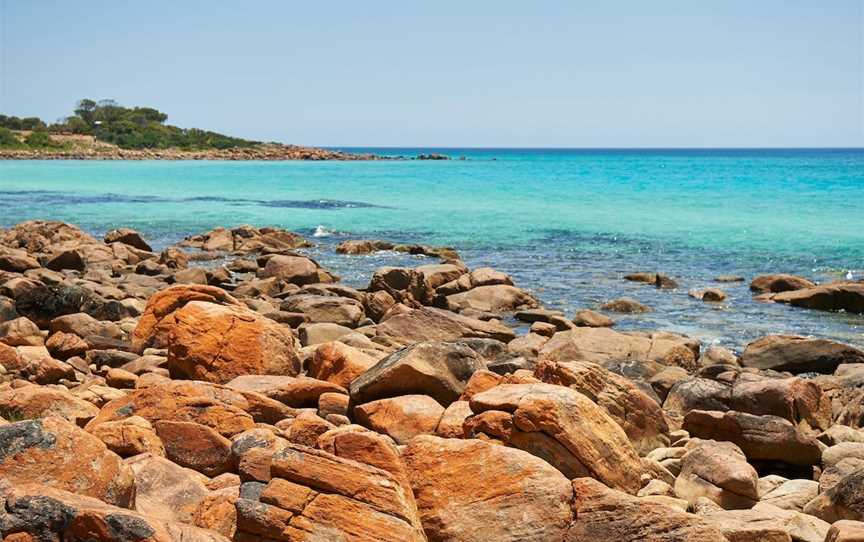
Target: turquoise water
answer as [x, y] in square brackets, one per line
[567, 224]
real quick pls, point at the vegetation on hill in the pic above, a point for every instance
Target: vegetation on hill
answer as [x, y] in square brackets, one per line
[126, 127]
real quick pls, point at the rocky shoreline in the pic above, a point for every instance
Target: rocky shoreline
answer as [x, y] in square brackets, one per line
[168, 395]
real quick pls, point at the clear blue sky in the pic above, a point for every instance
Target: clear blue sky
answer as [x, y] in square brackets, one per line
[454, 73]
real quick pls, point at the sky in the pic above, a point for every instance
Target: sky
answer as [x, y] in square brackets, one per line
[666, 73]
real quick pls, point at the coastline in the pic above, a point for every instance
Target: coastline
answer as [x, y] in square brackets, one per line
[262, 152]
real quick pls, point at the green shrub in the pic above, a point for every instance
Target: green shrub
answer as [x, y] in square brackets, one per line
[40, 139]
[8, 139]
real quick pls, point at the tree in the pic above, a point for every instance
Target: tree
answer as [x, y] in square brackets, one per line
[85, 110]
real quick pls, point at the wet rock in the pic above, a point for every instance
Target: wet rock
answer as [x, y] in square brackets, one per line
[437, 369]
[779, 283]
[729, 278]
[799, 354]
[589, 318]
[363, 246]
[561, 426]
[711, 295]
[625, 305]
[53, 452]
[470, 490]
[848, 297]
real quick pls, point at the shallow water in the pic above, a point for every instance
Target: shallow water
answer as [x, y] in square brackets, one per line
[566, 224]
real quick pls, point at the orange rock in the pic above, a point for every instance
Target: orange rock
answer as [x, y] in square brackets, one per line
[195, 446]
[217, 511]
[216, 343]
[165, 490]
[128, 437]
[224, 410]
[155, 324]
[306, 428]
[339, 363]
[66, 345]
[567, 429]
[299, 391]
[402, 418]
[480, 381]
[475, 491]
[451, 424]
[31, 401]
[53, 452]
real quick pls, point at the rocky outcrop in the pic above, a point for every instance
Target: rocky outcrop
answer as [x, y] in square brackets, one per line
[777, 283]
[799, 354]
[843, 296]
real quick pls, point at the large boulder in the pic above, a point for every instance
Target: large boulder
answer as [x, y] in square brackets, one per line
[129, 237]
[326, 308]
[779, 282]
[315, 495]
[561, 426]
[294, 391]
[799, 354]
[767, 438]
[636, 412]
[474, 491]
[606, 347]
[401, 418]
[430, 324]
[406, 286]
[845, 500]
[437, 369]
[718, 471]
[226, 410]
[496, 298]
[338, 363]
[601, 514]
[31, 402]
[155, 324]
[165, 490]
[55, 453]
[216, 343]
[844, 296]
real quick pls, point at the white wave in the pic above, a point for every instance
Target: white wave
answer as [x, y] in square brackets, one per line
[321, 231]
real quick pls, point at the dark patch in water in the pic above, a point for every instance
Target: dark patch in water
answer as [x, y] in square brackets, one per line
[48, 197]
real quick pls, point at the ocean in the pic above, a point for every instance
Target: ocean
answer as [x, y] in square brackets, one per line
[566, 224]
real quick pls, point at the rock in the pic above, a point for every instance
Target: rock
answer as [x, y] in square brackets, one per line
[227, 411]
[362, 246]
[319, 308]
[842, 501]
[195, 446]
[312, 334]
[246, 239]
[799, 354]
[129, 437]
[406, 286]
[717, 355]
[495, 298]
[401, 418]
[625, 305]
[729, 278]
[760, 437]
[37, 512]
[32, 402]
[53, 452]
[216, 343]
[127, 237]
[640, 416]
[605, 514]
[84, 325]
[846, 531]
[299, 391]
[165, 490]
[20, 332]
[718, 471]
[429, 324]
[589, 318]
[156, 323]
[605, 346]
[66, 345]
[470, 490]
[797, 400]
[66, 259]
[561, 426]
[314, 494]
[779, 283]
[437, 369]
[844, 296]
[338, 363]
[792, 494]
[713, 295]
[16, 261]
